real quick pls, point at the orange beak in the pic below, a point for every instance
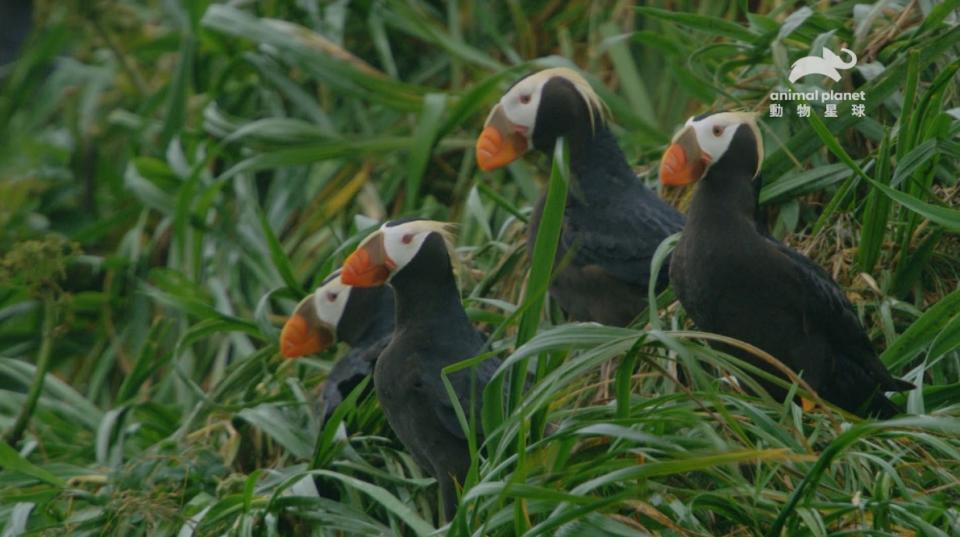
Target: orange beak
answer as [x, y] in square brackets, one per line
[303, 333]
[500, 143]
[683, 162]
[369, 265]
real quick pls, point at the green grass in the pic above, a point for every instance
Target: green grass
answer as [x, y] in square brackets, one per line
[176, 178]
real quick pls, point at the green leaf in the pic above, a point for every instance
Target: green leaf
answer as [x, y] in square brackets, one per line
[12, 461]
[875, 213]
[918, 336]
[384, 498]
[626, 67]
[912, 263]
[660, 256]
[544, 254]
[319, 56]
[912, 161]
[300, 155]
[178, 92]
[424, 136]
[793, 21]
[280, 260]
[938, 13]
[946, 217]
[947, 340]
[796, 184]
[843, 442]
[148, 360]
[805, 142]
[271, 420]
[707, 24]
[146, 191]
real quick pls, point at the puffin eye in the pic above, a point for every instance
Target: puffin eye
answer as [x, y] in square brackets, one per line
[717, 130]
[332, 296]
[407, 239]
[524, 99]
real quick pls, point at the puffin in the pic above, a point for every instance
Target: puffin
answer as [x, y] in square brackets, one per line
[734, 279]
[432, 331]
[612, 223]
[360, 317]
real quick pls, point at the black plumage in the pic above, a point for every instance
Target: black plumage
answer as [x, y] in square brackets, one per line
[612, 226]
[367, 326]
[734, 279]
[612, 223]
[432, 332]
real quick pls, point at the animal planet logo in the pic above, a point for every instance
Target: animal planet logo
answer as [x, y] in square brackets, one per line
[829, 65]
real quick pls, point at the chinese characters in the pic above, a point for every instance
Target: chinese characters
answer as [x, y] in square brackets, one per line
[830, 110]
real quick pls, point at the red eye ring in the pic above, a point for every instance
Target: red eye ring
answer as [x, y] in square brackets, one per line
[407, 239]
[524, 99]
[717, 130]
[331, 296]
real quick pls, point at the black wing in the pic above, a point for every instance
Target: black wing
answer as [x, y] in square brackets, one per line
[827, 306]
[759, 213]
[621, 240]
[347, 373]
[468, 385]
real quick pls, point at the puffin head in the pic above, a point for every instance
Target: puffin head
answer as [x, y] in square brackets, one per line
[535, 112]
[334, 311]
[313, 326]
[719, 141]
[394, 247]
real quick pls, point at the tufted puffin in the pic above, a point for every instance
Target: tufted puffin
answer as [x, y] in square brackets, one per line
[612, 223]
[735, 280]
[432, 332]
[360, 317]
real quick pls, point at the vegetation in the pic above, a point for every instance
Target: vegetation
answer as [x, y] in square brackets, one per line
[178, 174]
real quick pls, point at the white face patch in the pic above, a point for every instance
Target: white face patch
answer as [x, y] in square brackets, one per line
[329, 301]
[401, 242]
[521, 103]
[715, 132]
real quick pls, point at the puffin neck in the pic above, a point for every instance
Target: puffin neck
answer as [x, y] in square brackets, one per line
[726, 195]
[723, 199]
[565, 112]
[598, 155]
[377, 326]
[426, 293]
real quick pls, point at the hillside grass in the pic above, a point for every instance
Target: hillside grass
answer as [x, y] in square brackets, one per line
[176, 176]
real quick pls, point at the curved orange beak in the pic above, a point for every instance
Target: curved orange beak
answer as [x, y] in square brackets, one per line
[369, 265]
[303, 333]
[500, 143]
[683, 162]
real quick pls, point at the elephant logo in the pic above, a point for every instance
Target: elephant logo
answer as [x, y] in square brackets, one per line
[827, 65]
